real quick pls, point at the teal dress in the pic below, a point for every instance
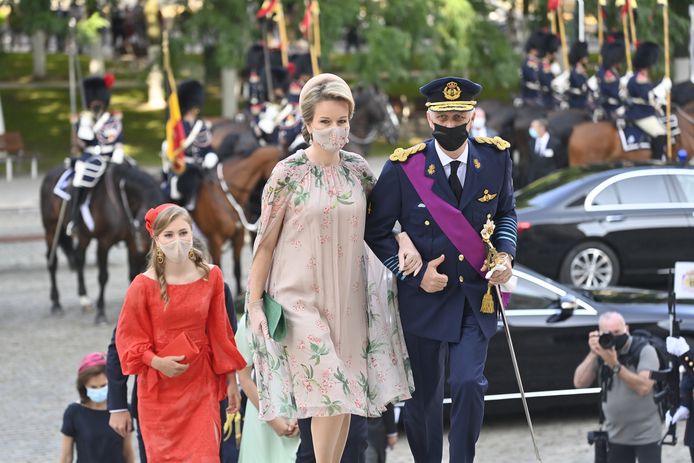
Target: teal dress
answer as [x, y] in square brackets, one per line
[258, 441]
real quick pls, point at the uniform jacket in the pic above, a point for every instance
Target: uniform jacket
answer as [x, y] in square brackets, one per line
[99, 136]
[439, 315]
[608, 80]
[529, 76]
[639, 87]
[201, 144]
[578, 89]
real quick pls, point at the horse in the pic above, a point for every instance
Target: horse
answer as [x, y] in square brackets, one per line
[373, 115]
[222, 209]
[593, 143]
[118, 204]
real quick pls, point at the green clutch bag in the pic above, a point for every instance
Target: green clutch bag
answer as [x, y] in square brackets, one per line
[274, 313]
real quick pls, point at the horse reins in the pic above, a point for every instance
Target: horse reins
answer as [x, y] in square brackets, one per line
[251, 227]
[129, 214]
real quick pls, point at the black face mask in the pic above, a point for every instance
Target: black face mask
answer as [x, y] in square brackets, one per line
[450, 138]
[620, 340]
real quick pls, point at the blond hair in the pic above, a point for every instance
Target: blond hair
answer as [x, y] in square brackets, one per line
[196, 253]
[319, 88]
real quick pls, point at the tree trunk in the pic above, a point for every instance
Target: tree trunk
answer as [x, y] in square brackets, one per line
[38, 48]
[230, 92]
[155, 80]
[96, 58]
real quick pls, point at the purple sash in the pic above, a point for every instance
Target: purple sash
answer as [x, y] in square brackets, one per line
[451, 220]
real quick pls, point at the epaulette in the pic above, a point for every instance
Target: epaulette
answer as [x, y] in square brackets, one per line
[641, 77]
[609, 76]
[499, 142]
[117, 115]
[401, 154]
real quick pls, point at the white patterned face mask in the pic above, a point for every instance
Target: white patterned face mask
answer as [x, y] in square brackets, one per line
[331, 139]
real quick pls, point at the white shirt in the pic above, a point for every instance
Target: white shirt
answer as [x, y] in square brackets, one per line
[541, 146]
[446, 162]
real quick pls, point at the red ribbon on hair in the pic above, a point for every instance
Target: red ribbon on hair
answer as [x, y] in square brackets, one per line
[92, 359]
[152, 214]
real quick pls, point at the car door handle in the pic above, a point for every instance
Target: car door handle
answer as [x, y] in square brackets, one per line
[614, 218]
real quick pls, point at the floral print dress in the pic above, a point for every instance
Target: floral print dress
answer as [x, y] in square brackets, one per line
[344, 351]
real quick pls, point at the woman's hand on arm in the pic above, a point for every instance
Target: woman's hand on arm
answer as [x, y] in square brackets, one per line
[409, 259]
[233, 397]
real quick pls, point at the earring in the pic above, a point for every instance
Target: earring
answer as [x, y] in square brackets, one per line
[160, 256]
[191, 255]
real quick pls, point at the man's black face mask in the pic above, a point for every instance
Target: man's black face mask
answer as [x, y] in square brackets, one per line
[450, 138]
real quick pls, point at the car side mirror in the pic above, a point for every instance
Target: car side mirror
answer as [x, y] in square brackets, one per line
[567, 305]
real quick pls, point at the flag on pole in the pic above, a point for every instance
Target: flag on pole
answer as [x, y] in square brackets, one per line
[267, 8]
[306, 22]
[175, 133]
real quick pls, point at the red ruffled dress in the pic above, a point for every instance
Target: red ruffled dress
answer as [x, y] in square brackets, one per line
[179, 417]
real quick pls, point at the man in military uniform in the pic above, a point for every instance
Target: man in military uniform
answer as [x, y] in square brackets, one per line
[183, 187]
[530, 85]
[549, 69]
[646, 99]
[608, 79]
[277, 113]
[578, 78]
[442, 192]
[98, 138]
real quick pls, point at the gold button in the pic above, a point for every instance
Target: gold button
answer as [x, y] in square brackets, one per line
[426, 222]
[461, 257]
[461, 279]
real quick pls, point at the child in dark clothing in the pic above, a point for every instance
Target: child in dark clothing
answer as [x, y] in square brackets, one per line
[85, 424]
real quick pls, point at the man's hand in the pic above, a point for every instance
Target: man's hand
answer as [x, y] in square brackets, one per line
[170, 366]
[433, 281]
[609, 356]
[391, 440]
[121, 422]
[502, 274]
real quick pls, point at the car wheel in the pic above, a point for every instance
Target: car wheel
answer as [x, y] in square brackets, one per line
[590, 265]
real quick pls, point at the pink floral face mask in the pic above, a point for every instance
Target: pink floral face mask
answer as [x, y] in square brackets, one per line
[331, 139]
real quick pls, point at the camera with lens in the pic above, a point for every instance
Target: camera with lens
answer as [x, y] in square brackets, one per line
[606, 340]
[599, 438]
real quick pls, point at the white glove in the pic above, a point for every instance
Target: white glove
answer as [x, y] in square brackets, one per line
[682, 413]
[624, 80]
[593, 83]
[660, 91]
[118, 154]
[555, 68]
[86, 127]
[507, 287]
[677, 346]
[560, 84]
[210, 161]
[267, 121]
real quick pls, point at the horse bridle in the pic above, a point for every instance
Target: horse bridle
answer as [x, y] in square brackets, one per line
[251, 227]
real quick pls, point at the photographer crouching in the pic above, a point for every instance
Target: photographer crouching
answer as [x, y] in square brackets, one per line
[622, 367]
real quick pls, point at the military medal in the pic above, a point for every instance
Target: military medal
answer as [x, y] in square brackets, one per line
[431, 170]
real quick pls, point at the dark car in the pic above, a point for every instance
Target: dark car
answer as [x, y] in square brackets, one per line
[549, 325]
[602, 226]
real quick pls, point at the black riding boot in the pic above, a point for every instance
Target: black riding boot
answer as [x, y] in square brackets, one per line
[75, 201]
[658, 147]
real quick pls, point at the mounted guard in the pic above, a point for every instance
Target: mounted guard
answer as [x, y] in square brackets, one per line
[530, 84]
[608, 77]
[98, 139]
[181, 185]
[645, 100]
[578, 78]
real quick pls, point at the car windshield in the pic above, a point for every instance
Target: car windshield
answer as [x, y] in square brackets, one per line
[549, 189]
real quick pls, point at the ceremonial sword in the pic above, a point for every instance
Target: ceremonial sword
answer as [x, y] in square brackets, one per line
[507, 330]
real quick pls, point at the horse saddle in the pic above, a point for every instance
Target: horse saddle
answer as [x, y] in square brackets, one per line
[633, 138]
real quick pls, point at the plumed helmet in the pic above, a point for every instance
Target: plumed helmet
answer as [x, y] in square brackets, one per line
[97, 88]
[579, 50]
[612, 54]
[646, 55]
[191, 94]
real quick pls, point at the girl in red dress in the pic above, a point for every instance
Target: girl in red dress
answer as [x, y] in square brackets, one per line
[176, 308]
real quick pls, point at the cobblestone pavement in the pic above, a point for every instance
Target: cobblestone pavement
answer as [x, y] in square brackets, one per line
[39, 354]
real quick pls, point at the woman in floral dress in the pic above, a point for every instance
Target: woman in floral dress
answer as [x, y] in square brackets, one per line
[344, 352]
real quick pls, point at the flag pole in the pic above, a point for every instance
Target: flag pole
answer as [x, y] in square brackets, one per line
[562, 37]
[627, 42]
[668, 103]
[601, 38]
[632, 23]
[282, 26]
